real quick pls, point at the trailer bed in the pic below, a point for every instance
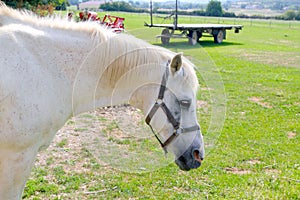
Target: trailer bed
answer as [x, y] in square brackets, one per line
[194, 31]
[195, 26]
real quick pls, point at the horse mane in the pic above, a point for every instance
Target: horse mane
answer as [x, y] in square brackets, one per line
[130, 53]
[137, 51]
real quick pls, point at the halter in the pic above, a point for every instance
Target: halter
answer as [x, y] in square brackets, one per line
[159, 103]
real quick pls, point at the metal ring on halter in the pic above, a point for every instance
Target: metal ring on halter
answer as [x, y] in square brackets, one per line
[179, 131]
[159, 101]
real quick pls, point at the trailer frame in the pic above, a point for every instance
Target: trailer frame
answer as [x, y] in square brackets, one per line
[191, 31]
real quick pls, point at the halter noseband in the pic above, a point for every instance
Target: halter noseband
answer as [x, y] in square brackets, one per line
[159, 103]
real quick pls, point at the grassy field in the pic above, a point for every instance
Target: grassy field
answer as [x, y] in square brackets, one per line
[255, 149]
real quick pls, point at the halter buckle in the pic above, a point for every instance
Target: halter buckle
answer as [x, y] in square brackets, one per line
[159, 101]
[178, 131]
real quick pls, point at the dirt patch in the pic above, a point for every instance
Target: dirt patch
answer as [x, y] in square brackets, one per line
[235, 170]
[260, 101]
[253, 162]
[291, 135]
[206, 89]
[203, 105]
[287, 59]
[68, 148]
[272, 171]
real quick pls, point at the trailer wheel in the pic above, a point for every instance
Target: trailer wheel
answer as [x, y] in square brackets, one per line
[165, 36]
[219, 36]
[193, 37]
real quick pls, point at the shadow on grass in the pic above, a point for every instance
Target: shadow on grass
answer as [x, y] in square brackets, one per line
[205, 44]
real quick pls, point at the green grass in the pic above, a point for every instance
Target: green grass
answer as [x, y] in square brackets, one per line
[62, 143]
[256, 155]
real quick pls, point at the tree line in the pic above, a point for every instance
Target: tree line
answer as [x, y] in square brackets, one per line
[213, 8]
[33, 4]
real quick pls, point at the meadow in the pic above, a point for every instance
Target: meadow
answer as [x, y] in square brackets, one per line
[249, 112]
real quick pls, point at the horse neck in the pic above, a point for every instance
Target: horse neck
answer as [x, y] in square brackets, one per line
[113, 73]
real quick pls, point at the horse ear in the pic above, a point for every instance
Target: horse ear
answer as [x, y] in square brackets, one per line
[176, 63]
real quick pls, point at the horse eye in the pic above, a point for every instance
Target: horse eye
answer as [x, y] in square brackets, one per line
[185, 103]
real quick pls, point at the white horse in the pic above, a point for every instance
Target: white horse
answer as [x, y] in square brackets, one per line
[51, 70]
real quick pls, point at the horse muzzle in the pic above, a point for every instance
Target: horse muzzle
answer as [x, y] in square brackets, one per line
[191, 158]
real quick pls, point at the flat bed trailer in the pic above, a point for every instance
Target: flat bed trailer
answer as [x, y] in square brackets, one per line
[192, 31]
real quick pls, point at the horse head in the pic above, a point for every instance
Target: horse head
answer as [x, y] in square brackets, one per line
[173, 114]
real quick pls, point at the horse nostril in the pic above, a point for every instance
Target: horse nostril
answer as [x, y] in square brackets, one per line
[197, 156]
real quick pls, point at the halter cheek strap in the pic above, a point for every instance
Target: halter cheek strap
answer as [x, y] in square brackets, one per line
[159, 103]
